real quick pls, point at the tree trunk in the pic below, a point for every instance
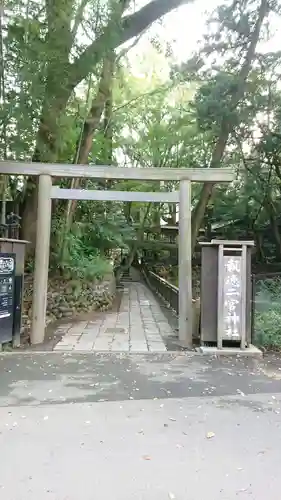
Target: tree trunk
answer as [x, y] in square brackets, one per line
[260, 255]
[227, 125]
[107, 156]
[207, 190]
[46, 151]
[4, 136]
[90, 126]
[273, 219]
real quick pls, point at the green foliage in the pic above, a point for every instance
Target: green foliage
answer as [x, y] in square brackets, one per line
[213, 101]
[84, 267]
[102, 226]
[79, 261]
[267, 319]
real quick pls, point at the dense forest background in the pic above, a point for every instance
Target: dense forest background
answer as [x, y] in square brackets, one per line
[70, 93]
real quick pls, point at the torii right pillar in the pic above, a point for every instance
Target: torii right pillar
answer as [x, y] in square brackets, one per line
[185, 266]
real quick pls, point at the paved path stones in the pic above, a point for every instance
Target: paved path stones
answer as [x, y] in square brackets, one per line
[137, 327]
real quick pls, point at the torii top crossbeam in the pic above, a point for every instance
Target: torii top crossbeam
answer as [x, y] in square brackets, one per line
[109, 172]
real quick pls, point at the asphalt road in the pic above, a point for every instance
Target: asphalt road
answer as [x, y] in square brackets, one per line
[154, 427]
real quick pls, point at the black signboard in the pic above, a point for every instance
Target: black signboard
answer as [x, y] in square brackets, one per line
[7, 283]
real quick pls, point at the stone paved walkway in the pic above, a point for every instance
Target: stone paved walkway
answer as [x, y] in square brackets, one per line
[138, 327]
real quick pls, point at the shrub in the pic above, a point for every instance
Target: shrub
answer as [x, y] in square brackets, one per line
[267, 319]
[79, 261]
[86, 268]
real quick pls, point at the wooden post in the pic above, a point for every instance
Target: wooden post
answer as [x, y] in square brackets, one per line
[41, 260]
[185, 265]
[243, 297]
[220, 307]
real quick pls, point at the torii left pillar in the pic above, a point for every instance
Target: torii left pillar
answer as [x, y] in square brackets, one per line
[40, 287]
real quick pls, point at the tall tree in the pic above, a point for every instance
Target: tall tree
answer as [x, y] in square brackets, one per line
[66, 66]
[239, 29]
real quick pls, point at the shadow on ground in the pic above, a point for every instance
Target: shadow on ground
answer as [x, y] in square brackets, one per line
[54, 378]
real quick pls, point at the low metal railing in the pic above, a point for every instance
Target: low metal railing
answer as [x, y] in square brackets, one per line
[168, 292]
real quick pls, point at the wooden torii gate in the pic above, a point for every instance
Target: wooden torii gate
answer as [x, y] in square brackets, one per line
[47, 192]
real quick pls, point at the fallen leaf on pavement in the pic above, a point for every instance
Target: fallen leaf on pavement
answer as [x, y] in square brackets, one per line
[240, 392]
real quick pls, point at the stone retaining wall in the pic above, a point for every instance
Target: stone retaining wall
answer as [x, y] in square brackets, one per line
[68, 299]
